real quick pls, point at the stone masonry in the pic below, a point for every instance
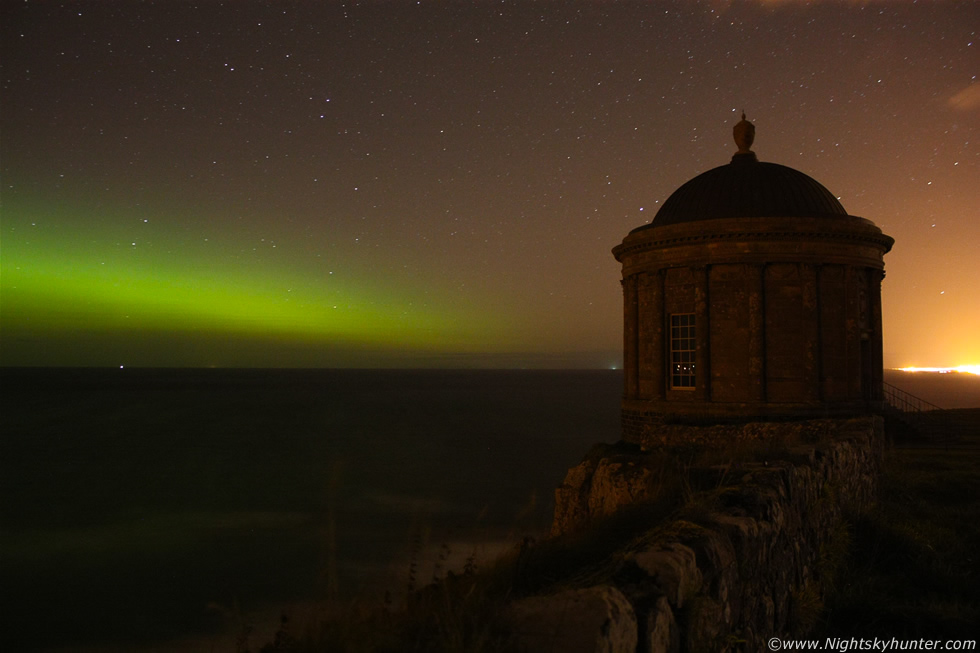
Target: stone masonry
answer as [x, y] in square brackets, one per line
[750, 568]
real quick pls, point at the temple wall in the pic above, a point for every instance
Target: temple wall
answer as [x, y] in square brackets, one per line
[730, 334]
[773, 340]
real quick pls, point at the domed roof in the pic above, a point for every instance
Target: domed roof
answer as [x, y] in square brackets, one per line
[747, 188]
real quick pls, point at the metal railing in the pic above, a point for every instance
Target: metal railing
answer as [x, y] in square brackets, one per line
[904, 401]
[928, 419]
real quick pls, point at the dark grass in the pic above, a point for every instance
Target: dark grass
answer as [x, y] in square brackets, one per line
[913, 569]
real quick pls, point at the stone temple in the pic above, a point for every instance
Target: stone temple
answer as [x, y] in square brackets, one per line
[752, 294]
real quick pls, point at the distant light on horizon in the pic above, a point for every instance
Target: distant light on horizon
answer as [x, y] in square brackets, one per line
[966, 369]
[263, 197]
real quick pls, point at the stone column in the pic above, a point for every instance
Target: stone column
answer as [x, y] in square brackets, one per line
[821, 336]
[811, 324]
[658, 344]
[630, 358]
[832, 300]
[702, 332]
[757, 332]
[650, 293]
[877, 361]
[852, 335]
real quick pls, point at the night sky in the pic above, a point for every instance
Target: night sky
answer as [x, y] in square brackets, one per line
[441, 183]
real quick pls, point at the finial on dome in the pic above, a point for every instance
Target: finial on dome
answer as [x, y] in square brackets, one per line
[744, 133]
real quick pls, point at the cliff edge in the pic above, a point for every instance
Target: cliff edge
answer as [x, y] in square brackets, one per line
[748, 557]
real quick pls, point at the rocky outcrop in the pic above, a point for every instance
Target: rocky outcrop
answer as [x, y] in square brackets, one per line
[595, 619]
[751, 565]
[614, 476]
[609, 478]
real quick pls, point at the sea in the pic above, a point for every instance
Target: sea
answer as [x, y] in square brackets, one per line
[172, 509]
[156, 510]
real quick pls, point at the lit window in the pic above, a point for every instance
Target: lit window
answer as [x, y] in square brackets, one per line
[682, 346]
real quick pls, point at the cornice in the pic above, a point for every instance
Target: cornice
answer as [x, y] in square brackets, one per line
[879, 239]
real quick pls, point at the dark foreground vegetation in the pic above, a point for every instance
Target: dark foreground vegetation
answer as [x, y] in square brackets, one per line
[914, 565]
[466, 610]
[908, 569]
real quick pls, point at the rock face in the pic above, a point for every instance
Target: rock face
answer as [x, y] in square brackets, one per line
[750, 569]
[595, 619]
[610, 478]
[613, 476]
[673, 569]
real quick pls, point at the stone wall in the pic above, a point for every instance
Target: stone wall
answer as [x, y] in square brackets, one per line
[753, 564]
[786, 315]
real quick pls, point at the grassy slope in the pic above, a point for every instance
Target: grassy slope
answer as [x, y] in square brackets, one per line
[914, 568]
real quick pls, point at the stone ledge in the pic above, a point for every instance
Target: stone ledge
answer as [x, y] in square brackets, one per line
[751, 570]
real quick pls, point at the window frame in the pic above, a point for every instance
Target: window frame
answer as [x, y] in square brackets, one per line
[682, 351]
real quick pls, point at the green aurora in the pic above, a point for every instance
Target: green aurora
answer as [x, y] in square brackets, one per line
[258, 184]
[96, 285]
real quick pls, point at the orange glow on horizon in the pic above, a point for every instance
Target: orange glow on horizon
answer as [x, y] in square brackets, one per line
[965, 369]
